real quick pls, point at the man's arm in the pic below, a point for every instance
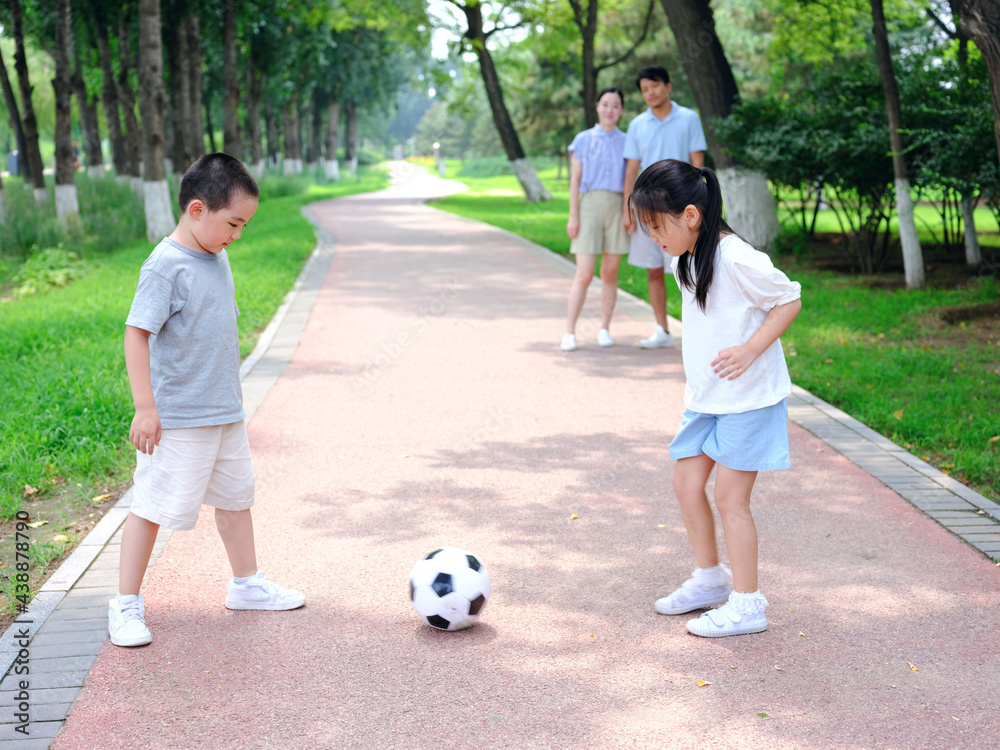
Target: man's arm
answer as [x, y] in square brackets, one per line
[575, 175]
[631, 172]
[697, 159]
[144, 433]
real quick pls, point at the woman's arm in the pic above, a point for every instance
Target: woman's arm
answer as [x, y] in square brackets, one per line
[575, 175]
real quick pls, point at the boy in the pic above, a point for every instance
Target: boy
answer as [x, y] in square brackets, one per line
[664, 131]
[182, 357]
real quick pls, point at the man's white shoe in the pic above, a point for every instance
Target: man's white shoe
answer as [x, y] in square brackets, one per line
[127, 621]
[659, 340]
[568, 343]
[257, 592]
[604, 338]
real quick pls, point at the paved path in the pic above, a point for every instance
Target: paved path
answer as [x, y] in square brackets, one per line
[428, 404]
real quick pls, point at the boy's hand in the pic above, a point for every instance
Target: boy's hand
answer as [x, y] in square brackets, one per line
[144, 433]
[573, 227]
[733, 361]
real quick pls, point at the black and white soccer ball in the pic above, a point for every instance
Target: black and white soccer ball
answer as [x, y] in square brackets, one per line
[449, 588]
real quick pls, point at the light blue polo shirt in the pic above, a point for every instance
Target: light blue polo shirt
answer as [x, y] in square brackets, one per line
[650, 139]
[601, 154]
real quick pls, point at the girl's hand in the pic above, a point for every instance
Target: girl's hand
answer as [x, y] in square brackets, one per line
[733, 361]
[573, 227]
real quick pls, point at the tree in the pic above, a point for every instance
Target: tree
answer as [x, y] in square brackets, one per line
[156, 193]
[15, 121]
[913, 261]
[126, 97]
[109, 97]
[231, 89]
[196, 128]
[750, 208]
[67, 206]
[478, 38]
[979, 20]
[33, 153]
[87, 107]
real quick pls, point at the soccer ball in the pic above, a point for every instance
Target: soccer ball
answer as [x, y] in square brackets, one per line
[449, 588]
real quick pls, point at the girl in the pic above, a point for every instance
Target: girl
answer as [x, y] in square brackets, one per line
[597, 173]
[735, 306]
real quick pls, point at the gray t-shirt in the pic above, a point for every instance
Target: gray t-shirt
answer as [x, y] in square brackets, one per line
[187, 300]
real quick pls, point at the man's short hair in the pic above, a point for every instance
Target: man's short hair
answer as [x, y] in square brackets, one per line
[652, 73]
[216, 180]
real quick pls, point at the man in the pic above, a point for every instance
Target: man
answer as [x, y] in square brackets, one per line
[664, 131]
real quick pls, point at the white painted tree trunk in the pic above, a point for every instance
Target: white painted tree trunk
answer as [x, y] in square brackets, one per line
[67, 206]
[137, 186]
[122, 179]
[913, 258]
[973, 253]
[332, 169]
[534, 190]
[41, 195]
[257, 170]
[750, 208]
[159, 211]
[352, 165]
[292, 166]
[95, 173]
[3, 207]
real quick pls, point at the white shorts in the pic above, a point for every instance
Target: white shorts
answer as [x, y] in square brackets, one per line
[644, 253]
[191, 467]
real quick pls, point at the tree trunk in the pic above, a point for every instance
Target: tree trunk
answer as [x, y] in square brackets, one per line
[3, 204]
[110, 100]
[980, 22]
[33, 154]
[15, 123]
[332, 136]
[526, 175]
[196, 127]
[351, 136]
[913, 261]
[973, 253]
[159, 212]
[750, 208]
[126, 97]
[178, 62]
[209, 128]
[292, 163]
[588, 33]
[255, 91]
[67, 207]
[87, 107]
[273, 136]
[231, 88]
[316, 136]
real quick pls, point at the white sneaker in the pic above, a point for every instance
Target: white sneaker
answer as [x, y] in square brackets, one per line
[568, 343]
[735, 617]
[660, 339]
[127, 621]
[260, 593]
[604, 338]
[692, 595]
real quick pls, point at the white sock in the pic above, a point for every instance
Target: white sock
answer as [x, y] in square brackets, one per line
[710, 578]
[127, 598]
[748, 602]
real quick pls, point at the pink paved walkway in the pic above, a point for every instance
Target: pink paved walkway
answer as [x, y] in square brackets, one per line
[428, 405]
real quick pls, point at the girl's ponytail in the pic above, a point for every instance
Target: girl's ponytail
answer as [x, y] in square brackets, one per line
[668, 187]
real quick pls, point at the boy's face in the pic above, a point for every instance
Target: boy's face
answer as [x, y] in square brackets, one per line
[213, 231]
[654, 93]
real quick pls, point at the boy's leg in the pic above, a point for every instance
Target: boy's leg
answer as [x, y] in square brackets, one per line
[690, 477]
[658, 295]
[138, 538]
[732, 498]
[236, 529]
[609, 287]
[578, 291]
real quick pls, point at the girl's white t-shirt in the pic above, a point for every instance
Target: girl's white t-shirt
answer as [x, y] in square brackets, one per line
[745, 287]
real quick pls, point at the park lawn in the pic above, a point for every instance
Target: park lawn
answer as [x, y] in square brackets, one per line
[880, 354]
[67, 402]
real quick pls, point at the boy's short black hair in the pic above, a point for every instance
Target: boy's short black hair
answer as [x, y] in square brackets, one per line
[612, 90]
[652, 73]
[216, 180]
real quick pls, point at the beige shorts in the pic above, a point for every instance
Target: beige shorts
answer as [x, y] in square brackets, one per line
[600, 225]
[191, 467]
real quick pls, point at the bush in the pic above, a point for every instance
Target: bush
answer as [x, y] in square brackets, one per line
[49, 268]
[497, 166]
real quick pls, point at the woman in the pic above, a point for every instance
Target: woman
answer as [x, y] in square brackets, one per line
[596, 184]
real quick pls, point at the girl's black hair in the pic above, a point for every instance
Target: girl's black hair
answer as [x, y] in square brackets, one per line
[668, 187]
[612, 90]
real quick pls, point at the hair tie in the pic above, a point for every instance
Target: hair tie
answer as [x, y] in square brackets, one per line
[701, 171]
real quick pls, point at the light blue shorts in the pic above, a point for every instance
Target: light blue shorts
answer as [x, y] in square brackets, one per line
[752, 441]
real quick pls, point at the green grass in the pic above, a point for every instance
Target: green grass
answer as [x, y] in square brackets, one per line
[65, 394]
[881, 355]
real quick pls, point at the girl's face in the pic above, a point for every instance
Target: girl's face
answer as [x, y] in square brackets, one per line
[676, 234]
[609, 109]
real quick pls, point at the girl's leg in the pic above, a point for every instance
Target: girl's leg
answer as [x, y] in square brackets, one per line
[732, 498]
[609, 287]
[578, 291]
[690, 478]
[138, 538]
[236, 529]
